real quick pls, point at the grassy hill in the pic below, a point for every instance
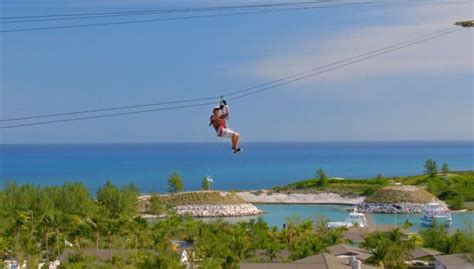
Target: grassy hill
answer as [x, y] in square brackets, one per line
[163, 204]
[341, 186]
[201, 197]
[401, 194]
[456, 188]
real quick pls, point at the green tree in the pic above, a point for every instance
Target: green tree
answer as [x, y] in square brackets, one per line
[96, 224]
[445, 169]
[323, 179]
[112, 228]
[175, 183]
[388, 249]
[456, 202]
[54, 223]
[156, 205]
[407, 224]
[4, 246]
[205, 184]
[118, 202]
[435, 237]
[138, 232]
[211, 263]
[431, 168]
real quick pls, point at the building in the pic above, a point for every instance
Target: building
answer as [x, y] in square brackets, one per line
[319, 261]
[183, 248]
[453, 261]
[262, 255]
[346, 251]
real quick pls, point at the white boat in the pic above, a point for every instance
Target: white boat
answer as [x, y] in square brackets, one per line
[355, 218]
[435, 212]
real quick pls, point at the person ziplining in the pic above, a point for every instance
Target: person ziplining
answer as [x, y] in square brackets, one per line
[218, 119]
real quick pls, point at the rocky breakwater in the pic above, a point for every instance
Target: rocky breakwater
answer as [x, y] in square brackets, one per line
[394, 208]
[398, 200]
[196, 204]
[216, 210]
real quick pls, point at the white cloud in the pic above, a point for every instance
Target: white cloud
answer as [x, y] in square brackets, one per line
[452, 53]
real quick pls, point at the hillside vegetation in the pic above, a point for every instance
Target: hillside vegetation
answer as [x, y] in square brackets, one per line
[456, 188]
[401, 194]
[201, 197]
[340, 186]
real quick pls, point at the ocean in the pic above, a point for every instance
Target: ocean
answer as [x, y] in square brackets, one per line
[261, 165]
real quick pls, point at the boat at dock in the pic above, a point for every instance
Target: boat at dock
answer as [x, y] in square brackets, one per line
[436, 213]
[355, 218]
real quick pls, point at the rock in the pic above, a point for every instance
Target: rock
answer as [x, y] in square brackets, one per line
[392, 208]
[224, 210]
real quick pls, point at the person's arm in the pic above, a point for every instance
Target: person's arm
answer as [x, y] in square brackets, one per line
[224, 109]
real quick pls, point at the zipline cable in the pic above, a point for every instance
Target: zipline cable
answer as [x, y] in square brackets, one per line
[219, 8]
[155, 20]
[339, 62]
[231, 93]
[239, 96]
[108, 115]
[112, 108]
[100, 15]
[215, 15]
[211, 8]
[341, 65]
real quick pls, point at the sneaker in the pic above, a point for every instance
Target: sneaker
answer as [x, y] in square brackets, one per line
[237, 150]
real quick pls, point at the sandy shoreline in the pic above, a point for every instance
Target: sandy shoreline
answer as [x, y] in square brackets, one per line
[270, 197]
[251, 198]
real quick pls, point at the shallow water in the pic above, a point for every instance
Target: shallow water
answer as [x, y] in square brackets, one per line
[277, 215]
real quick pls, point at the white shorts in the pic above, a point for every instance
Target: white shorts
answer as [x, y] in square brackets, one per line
[227, 132]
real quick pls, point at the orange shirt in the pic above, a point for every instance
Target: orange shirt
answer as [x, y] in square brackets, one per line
[218, 123]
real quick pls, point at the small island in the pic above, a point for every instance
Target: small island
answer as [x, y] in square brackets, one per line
[404, 194]
[391, 195]
[196, 204]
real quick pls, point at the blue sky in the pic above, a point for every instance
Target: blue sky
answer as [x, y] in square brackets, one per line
[423, 92]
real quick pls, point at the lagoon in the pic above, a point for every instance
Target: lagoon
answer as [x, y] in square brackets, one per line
[277, 215]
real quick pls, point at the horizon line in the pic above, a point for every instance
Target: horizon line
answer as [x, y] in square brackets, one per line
[253, 142]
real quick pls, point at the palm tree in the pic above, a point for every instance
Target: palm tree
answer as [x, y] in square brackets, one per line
[55, 223]
[388, 249]
[79, 230]
[378, 253]
[95, 225]
[136, 228]
[20, 227]
[113, 227]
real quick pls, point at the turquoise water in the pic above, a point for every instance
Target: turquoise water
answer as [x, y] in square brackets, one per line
[262, 165]
[277, 215]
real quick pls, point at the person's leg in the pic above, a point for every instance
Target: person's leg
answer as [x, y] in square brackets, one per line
[236, 140]
[232, 141]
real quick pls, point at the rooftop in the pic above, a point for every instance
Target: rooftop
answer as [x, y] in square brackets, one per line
[319, 261]
[346, 250]
[455, 261]
[420, 252]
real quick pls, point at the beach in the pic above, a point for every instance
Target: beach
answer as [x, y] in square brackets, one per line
[271, 197]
